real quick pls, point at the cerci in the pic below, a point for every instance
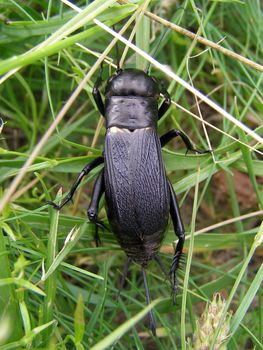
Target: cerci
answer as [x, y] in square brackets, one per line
[139, 196]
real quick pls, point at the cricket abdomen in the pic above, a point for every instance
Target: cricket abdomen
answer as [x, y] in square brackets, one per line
[136, 191]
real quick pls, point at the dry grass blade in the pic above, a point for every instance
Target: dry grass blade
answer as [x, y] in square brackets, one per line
[201, 40]
[205, 42]
[60, 116]
[172, 75]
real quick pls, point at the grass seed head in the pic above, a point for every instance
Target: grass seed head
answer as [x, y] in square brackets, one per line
[207, 324]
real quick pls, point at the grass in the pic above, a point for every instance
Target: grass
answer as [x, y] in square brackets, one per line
[59, 291]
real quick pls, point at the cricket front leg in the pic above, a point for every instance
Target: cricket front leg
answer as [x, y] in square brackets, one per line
[180, 233]
[164, 139]
[97, 95]
[83, 173]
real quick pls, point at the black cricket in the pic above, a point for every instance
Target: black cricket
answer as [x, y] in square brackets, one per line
[139, 196]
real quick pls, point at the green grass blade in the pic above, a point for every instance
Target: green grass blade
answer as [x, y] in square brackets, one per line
[247, 300]
[8, 301]
[188, 264]
[125, 327]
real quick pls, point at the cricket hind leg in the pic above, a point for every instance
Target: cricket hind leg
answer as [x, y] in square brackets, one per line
[124, 276]
[180, 233]
[162, 267]
[151, 319]
[93, 210]
[166, 273]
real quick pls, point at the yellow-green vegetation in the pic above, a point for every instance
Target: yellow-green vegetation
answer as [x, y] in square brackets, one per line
[208, 324]
[59, 291]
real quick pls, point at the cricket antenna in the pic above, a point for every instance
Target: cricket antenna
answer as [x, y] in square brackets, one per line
[118, 70]
[155, 50]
